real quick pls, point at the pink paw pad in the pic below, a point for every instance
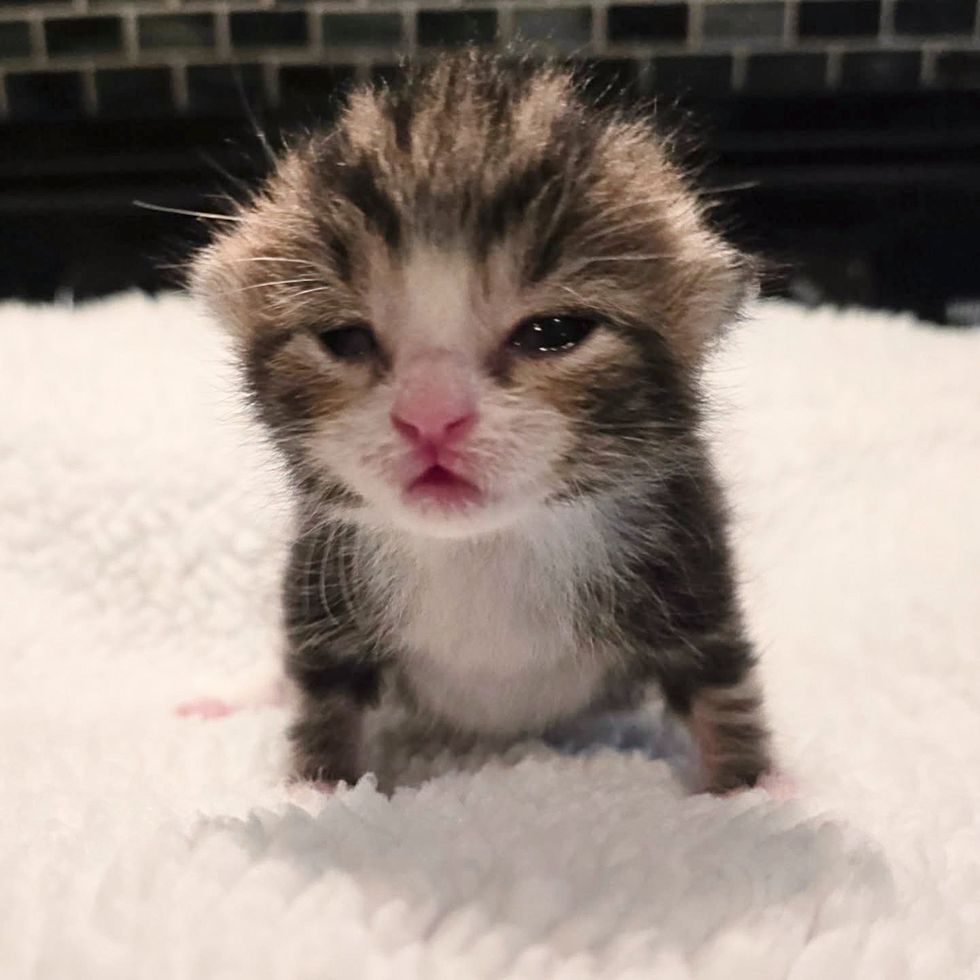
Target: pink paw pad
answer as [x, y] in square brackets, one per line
[308, 790]
[204, 708]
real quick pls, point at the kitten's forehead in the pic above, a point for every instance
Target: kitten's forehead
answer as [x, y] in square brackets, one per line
[448, 207]
[442, 298]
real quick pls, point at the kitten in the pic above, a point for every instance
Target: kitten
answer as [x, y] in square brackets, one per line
[472, 314]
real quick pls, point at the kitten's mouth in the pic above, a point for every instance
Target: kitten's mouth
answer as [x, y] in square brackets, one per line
[440, 486]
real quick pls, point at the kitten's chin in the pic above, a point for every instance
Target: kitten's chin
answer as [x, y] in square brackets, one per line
[446, 516]
[475, 519]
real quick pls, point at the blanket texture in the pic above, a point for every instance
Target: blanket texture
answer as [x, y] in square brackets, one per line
[142, 526]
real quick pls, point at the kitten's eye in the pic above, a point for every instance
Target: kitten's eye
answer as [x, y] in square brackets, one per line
[545, 335]
[353, 343]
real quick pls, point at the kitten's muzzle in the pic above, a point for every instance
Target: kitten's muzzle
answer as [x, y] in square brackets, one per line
[435, 400]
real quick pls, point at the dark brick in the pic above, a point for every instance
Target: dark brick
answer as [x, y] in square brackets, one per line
[935, 16]
[383, 30]
[225, 90]
[778, 74]
[958, 69]
[176, 31]
[743, 21]
[881, 70]
[45, 95]
[15, 39]
[697, 74]
[664, 22]
[834, 18]
[83, 35]
[561, 27]
[134, 92]
[451, 28]
[269, 28]
[313, 87]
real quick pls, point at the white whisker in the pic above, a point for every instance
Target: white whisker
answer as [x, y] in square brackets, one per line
[190, 214]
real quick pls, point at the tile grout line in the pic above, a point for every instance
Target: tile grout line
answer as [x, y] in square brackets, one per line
[791, 18]
[222, 31]
[178, 79]
[90, 99]
[695, 25]
[39, 44]
[886, 22]
[130, 37]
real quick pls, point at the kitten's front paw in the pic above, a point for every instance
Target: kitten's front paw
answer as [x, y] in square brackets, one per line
[266, 691]
[775, 783]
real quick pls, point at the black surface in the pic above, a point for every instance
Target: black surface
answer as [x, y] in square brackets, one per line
[127, 92]
[934, 16]
[268, 28]
[960, 69]
[663, 22]
[45, 95]
[882, 70]
[831, 18]
[83, 35]
[224, 89]
[700, 74]
[448, 28]
[381, 30]
[15, 39]
[176, 31]
[782, 73]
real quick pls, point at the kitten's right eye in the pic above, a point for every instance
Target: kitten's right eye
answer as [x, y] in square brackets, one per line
[351, 343]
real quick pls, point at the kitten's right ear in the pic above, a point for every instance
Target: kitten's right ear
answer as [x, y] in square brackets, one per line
[747, 285]
[218, 281]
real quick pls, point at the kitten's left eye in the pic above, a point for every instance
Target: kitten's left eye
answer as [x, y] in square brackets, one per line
[352, 343]
[543, 335]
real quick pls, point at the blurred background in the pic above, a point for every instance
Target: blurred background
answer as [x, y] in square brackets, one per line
[843, 135]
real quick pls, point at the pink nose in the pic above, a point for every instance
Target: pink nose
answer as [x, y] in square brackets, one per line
[435, 404]
[434, 429]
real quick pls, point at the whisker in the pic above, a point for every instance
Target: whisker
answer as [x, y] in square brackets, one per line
[274, 258]
[146, 205]
[747, 185]
[273, 282]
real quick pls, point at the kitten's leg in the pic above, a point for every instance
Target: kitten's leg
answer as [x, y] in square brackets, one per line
[326, 738]
[717, 694]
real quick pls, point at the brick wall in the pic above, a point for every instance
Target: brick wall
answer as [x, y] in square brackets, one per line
[62, 59]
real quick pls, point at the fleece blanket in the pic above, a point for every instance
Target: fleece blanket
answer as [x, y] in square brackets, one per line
[142, 526]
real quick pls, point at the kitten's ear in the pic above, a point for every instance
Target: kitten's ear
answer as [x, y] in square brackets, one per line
[219, 279]
[722, 283]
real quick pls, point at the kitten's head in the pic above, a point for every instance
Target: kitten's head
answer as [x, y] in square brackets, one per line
[474, 296]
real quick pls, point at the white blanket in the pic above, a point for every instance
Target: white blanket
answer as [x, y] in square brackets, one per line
[141, 531]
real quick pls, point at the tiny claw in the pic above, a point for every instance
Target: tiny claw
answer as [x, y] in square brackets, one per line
[204, 708]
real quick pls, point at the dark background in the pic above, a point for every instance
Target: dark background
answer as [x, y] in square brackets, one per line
[843, 135]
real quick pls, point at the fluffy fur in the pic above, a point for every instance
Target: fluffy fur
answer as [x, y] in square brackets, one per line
[440, 216]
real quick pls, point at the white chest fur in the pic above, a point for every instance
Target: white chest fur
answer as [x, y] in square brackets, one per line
[487, 633]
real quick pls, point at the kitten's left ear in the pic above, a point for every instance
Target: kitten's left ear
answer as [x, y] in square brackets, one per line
[721, 284]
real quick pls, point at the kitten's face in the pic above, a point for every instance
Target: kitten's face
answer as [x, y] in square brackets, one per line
[471, 301]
